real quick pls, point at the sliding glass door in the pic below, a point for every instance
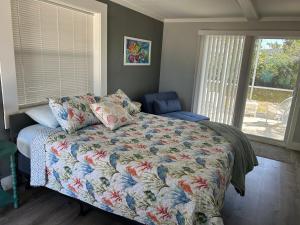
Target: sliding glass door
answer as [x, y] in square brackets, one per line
[273, 76]
[219, 76]
[251, 83]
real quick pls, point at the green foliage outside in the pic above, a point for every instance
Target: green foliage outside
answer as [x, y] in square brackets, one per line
[277, 67]
[278, 64]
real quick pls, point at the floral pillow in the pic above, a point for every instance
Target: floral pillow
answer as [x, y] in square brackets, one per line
[73, 113]
[111, 115]
[122, 99]
[138, 106]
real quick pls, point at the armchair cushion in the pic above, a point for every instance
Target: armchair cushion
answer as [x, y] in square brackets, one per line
[148, 99]
[166, 106]
[188, 116]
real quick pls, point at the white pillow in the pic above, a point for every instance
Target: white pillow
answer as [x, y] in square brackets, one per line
[43, 115]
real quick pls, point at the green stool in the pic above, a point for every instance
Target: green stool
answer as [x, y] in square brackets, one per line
[8, 150]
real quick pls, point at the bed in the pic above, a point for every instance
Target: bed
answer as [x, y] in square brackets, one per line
[157, 170]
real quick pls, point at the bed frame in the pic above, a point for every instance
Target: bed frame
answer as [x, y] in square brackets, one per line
[17, 122]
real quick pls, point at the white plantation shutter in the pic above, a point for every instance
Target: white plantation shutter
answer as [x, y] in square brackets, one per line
[53, 50]
[220, 65]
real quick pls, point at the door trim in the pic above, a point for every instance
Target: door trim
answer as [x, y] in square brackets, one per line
[266, 140]
[244, 76]
[294, 117]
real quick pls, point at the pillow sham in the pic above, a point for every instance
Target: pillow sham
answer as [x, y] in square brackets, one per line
[111, 115]
[43, 115]
[138, 106]
[166, 106]
[122, 99]
[73, 113]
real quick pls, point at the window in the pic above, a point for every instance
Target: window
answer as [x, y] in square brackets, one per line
[53, 50]
[7, 57]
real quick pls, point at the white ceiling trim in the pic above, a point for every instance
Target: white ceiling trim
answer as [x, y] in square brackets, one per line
[206, 20]
[139, 9]
[256, 33]
[248, 9]
[280, 19]
[231, 19]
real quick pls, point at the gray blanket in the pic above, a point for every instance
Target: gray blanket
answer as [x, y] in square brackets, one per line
[244, 156]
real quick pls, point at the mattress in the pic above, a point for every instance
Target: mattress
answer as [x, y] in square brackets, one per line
[25, 138]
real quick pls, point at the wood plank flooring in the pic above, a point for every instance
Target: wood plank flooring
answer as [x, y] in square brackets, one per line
[272, 198]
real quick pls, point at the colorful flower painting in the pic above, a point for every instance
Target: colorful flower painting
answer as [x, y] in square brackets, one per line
[136, 51]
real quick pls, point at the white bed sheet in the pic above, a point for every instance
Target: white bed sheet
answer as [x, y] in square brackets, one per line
[25, 138]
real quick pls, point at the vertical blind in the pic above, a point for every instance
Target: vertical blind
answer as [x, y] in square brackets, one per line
[53, 50]
[219, 72]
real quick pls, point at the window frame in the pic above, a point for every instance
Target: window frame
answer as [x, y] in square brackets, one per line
[7, 57]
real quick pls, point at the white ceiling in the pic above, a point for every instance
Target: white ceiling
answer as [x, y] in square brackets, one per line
[277, 7]
[203, 9]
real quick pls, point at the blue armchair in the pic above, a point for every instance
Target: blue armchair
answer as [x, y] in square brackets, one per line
[168, 104]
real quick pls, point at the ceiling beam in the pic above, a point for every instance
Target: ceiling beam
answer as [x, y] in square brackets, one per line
[248, 9]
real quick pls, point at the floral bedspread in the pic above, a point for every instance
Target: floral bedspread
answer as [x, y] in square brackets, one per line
[155, 171]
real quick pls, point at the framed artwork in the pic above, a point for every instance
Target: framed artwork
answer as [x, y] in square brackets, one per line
[137, 52]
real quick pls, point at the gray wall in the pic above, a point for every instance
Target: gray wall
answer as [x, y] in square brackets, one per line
[180, 49]
[134, 80]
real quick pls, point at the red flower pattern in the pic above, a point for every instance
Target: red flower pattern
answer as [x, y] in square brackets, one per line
[111, 119]
[145, 166]
[77, 183]
[63, 145]
[131, 171]
[152, 217]
[72, 188]
[70, 113]
[116, 196]
[163, 212]
[107, 201]
[80, 118]
[185, 156]
[100, 154]
[185, 186]
[200, 182]
[89, 160]
[55, 151]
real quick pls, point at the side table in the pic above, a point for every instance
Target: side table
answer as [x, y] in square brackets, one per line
[8, 151]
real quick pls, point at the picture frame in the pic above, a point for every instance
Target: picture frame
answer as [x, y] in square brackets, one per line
[137, 52]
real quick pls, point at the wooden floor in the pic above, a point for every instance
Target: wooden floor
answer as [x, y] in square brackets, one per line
[272, 198]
